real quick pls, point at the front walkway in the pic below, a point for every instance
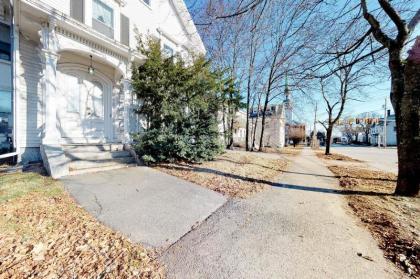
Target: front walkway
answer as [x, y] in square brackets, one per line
[148, 206]
[298, 229]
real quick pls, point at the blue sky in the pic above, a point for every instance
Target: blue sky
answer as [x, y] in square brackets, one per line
[372, 99]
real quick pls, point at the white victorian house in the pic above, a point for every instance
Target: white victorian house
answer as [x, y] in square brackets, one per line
[65, 76]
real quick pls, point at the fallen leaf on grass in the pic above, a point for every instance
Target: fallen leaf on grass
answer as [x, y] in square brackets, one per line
[236, 174]
[390, 219]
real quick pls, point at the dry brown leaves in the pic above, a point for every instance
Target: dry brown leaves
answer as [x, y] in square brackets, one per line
[288, 150]
[235, 173]
[337, 157]
[44, 234]
[394, 221]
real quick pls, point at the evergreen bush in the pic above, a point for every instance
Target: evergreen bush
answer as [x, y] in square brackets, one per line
[180, 102]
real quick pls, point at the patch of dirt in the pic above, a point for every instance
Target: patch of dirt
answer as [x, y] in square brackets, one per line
[288, 150]
[393, 221]
[235, 173]
[336, 157]
[45, 234]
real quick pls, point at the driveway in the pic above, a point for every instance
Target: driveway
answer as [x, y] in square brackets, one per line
[384, 159]
[148, 206]
[301, 228]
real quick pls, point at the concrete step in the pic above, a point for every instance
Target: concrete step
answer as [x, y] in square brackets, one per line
[95, 156]
[93, 147]
[99, 169]
[99, 164]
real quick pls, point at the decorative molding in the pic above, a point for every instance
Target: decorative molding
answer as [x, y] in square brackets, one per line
[168, 36]
[47, 36]
[89, 43]
[122, 3]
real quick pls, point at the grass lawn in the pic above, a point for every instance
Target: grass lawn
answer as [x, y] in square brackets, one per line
[393, 221]
[235, 173]
[45, 234]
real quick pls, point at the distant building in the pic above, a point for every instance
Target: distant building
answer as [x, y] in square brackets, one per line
[287, 103]
[376, 135]
[239, 129]
[292, 127]
[274, 128]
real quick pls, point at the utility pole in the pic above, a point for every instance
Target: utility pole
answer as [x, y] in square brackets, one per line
[385, 123]
[314, 136]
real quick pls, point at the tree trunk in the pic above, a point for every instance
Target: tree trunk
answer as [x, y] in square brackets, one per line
[260, 148]
[263, 119]
[247, 128]
[248, 96]
[254, 133]
[224, 124]
[256, 123]
[231, 128]
[408, 136]
[328, 140]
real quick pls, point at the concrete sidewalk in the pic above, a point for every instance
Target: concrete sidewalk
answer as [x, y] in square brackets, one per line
[301, 228]
[148, 206]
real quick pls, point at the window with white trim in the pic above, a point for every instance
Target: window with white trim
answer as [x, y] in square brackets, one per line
[103, 18]
[168, 51]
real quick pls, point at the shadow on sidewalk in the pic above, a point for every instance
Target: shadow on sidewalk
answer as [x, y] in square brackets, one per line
[278, 185]
[338, 176]
[328, 191]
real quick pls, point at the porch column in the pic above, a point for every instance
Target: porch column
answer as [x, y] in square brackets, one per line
[49, 59]
[126, 87]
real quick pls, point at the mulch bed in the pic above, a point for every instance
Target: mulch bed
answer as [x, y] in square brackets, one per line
[393, 221]
[45, 234]
[235, 173]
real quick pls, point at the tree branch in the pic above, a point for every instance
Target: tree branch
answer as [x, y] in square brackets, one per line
[396, 18]
[414, 21]
[379, 35]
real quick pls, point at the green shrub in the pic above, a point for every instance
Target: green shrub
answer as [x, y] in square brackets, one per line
[180, 103]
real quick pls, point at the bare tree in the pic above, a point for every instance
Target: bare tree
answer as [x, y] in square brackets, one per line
[386, 34]
[296, 133]
[253, 45]
[337, 89]
[288, 41]
[379, 30]
[405, 95]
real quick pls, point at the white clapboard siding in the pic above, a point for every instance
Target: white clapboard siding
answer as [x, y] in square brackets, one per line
[29, 71]
[118, 114]
[60, 5]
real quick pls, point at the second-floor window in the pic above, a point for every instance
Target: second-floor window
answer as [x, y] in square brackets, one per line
[5, 52]
[168, 51]
[103, 18]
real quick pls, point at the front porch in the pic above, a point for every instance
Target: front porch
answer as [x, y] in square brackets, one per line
[83, 97]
